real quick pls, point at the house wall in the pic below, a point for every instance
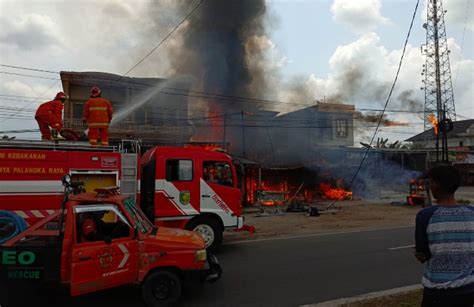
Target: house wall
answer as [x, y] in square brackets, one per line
[467, 141]
[330, 125]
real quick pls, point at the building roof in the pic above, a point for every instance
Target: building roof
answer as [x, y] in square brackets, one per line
[459, 129]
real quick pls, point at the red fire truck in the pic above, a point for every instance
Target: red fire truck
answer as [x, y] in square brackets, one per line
[189, 188]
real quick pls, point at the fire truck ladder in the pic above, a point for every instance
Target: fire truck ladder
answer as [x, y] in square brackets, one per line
[130, 150]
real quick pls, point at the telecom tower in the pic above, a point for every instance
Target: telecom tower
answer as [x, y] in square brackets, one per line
[439, 98]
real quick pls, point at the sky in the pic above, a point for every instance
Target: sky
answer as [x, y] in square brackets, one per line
[313, 43]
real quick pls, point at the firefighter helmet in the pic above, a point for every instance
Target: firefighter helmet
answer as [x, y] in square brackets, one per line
[60, 96]
[95, 91]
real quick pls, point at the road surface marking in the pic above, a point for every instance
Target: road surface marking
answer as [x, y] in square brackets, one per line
[316, 235]
[401, 247]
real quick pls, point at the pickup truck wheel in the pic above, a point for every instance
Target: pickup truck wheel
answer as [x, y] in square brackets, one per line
[3, 294]
[161, 288]
[209, 229]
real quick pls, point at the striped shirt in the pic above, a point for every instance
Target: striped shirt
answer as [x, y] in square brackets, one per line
[445, 234]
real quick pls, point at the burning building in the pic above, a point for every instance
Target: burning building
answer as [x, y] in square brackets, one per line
[151, 109]
[278, 147]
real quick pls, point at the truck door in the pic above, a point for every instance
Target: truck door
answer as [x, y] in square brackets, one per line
[105, 257]
[178, 193]
[219, 192]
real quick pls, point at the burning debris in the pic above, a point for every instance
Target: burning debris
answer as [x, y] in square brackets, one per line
[270, 187]
[419, 193]
[334, 193]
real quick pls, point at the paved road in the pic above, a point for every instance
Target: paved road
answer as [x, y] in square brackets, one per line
[295, 271]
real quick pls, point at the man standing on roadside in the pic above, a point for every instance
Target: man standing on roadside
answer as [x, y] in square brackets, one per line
[98, 114]
[445, 241]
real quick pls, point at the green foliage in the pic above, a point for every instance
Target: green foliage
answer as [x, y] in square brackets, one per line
[383, 143]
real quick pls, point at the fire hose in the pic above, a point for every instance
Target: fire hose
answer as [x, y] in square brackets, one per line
[10, 225]
[69, 134]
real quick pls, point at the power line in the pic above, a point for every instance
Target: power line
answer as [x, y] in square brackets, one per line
[174, 118]
[462, 43]
[40, 96]
[222, 114]
[164, 39]
[25, 75]
[21, 96]
[364, 157]
[30, 69]
[181, 92]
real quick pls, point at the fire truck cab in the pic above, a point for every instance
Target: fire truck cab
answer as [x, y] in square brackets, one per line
[191, 188]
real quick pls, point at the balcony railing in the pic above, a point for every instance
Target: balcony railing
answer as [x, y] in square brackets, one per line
[77, 124]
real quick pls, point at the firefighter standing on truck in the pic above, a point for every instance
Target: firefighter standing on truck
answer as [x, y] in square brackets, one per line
[49, 115]
[98, 114]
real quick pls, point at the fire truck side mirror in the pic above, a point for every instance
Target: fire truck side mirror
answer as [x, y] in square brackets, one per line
[66, 180]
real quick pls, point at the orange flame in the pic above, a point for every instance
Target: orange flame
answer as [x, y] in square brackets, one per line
[334, 193]
[434, 122]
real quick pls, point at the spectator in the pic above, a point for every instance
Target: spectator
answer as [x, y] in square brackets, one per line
[444, 237]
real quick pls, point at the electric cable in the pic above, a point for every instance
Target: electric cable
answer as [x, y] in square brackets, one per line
[164, 39]
[364, 157]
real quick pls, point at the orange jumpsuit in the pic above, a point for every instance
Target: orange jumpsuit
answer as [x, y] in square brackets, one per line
[49, 114]
[98, 114]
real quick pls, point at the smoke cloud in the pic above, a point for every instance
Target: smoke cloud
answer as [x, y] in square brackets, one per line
[374, 117]
[221, 39]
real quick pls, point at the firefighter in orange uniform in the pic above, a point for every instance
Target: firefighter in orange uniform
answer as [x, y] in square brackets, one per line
[98, 114]
[49, 115]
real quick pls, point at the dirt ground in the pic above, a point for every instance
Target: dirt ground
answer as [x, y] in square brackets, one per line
[350, 215]
[410, 299]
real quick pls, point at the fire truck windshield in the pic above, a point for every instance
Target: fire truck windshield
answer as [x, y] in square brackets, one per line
[143, 223]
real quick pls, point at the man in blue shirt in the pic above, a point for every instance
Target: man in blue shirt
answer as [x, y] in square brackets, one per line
[445, 242]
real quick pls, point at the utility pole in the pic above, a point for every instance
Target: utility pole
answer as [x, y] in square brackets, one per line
[439, 97]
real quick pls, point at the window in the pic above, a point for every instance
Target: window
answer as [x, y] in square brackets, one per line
[100, 224]
[141, 221]
[179, 170]
[341, 128]
[325, 129]
[218, 172]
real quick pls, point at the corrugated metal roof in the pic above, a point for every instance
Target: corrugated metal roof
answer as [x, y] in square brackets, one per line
[459, 127]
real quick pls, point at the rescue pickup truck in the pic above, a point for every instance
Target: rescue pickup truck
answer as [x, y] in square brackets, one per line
[55, 253]
[188, 188]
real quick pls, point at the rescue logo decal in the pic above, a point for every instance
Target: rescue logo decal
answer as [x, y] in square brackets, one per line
[220, 203]
[105, 257]
[185, 197]
[109, 162]
[216, 204]
[183, 206]
[21, 264]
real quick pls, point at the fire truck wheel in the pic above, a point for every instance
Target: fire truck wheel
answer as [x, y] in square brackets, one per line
[161, 288]
[209, 229]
